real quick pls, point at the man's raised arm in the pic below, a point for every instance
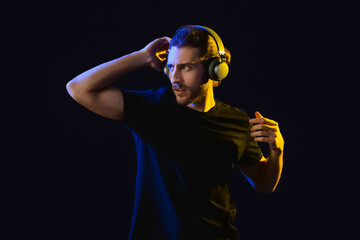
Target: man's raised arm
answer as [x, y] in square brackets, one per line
[93, 88]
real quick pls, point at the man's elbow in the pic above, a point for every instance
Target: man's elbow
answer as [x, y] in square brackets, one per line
[70, 88]
[73, 89]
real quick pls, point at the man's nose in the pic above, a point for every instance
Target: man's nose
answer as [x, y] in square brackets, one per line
[176, 75]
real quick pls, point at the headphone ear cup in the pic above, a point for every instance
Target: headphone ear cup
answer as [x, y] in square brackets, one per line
[217, 69]
[166, 71]
[222, 70]
[210, 65]
[166, 68]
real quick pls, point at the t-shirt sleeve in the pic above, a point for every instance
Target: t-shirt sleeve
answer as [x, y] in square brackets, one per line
[138, 107]
[252, 153]
[143, 113]
[134, 105]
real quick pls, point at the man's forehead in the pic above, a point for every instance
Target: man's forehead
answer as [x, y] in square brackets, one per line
[183, 54]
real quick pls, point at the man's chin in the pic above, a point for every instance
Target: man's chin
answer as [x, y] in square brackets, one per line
[182, 101]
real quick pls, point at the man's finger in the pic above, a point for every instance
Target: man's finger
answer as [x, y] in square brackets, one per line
[257, 120]
[268, 134]
[262, 139]
[263, 121]
[264, 127]
[168, 39]
[258, 115]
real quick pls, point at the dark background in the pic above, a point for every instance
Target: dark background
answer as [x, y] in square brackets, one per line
[84, 181]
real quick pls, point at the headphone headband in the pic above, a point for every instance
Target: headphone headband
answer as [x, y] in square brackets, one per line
[216, 37]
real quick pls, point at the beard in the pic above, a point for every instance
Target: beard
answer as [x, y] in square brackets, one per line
[189, 95]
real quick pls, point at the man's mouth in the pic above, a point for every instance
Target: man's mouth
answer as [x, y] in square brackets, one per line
[178, 88]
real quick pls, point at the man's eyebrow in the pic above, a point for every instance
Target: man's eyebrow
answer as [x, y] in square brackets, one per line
[182, 64]
[186, 63]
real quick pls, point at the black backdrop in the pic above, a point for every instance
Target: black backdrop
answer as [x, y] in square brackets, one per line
[87, 182]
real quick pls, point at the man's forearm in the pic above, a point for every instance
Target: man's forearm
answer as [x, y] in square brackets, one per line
[104, 75]
[270, 171]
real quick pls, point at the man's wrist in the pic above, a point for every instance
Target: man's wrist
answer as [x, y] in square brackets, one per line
[144, 58]
[276, 153]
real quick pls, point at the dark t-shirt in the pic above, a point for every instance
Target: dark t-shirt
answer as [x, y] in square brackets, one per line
[184, 160]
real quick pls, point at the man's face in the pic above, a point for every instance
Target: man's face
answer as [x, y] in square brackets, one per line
[186, 74]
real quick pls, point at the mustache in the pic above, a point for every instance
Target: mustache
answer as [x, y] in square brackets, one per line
[178, 86]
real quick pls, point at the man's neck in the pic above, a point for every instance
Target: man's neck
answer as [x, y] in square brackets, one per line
[206, 103]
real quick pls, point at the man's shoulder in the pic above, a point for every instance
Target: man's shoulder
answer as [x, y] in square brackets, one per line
[152, 95]
[227, 109]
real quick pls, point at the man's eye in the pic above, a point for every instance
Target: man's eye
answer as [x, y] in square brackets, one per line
[171, 68]
[187, 67]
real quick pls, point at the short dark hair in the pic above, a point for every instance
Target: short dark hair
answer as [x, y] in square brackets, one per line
[190, 35]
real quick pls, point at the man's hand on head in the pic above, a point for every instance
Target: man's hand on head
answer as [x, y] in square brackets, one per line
[156, 52]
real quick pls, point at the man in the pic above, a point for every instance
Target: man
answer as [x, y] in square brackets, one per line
[187, 142]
